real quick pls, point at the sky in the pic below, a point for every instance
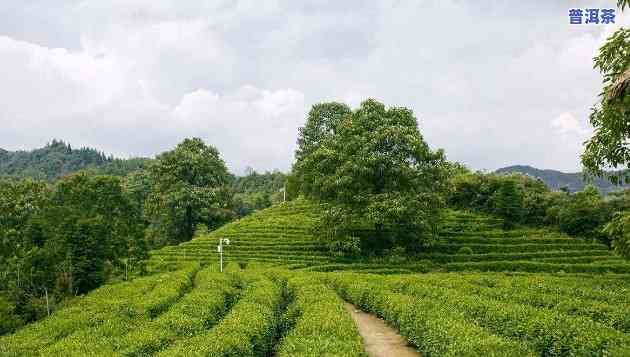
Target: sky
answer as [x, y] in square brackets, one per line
[493, 83]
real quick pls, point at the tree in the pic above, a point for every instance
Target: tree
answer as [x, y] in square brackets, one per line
[611, 117]
[508, 203]
[376, 171]
[9, 320]
[189, 187]
[89, 222]
[19, 202]
[583, 214]
[137, 186]
[63, 239]
[618, 229]
[322, 122]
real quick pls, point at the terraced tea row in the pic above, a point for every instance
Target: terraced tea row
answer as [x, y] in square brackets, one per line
[269, 311]
[280, 234]
[106, 313]
[472, 242]
[498, 315]
[283, 234]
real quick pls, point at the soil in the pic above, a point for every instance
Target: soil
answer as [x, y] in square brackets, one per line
[379, 339]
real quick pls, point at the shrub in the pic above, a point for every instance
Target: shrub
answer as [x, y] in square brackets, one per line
[465, 251]
[106, 307]
[319, 316]
[551, 332]
[345, 246]
[9, 321]
[428, 323]
[507, 203]
[583, 214]
[198, 310]
[247, 330]
[618, 229]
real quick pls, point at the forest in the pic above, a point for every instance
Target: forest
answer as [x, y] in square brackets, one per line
[83, 218]
[174, 255]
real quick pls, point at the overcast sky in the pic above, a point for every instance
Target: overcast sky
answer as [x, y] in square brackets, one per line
[494, 83]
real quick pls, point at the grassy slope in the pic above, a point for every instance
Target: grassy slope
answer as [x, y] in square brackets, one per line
[282, 235]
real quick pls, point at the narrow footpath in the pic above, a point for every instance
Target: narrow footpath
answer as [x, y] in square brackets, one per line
[379, 339]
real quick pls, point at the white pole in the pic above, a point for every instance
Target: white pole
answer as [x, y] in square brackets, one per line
[221, 253]
[47, 306]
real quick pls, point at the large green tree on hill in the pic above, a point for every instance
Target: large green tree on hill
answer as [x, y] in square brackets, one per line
[611, 116]
[375, 170]
[189, 187]
[611, 119]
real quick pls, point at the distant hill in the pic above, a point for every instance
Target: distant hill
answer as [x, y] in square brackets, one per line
[555, 180]
[58, 158]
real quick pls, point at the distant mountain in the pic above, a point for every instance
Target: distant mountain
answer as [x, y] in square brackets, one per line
[556, 180]
[58, 159]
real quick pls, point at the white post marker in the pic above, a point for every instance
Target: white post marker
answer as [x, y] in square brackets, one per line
[222, 241]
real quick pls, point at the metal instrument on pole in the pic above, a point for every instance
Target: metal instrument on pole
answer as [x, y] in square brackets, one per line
[222, 242]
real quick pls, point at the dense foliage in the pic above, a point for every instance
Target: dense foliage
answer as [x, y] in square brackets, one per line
[189, 187]
[376, 172]
[58, 159]
[63, 239]
[256, 191]
[611, 116]
[619, 230]
[521, 199]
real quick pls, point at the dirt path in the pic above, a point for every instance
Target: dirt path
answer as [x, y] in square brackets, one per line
[379, 339]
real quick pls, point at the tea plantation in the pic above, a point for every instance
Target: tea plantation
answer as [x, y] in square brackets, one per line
[282, 235]
[479, 291]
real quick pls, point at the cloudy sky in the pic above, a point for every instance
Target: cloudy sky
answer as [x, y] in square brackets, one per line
[494, 83]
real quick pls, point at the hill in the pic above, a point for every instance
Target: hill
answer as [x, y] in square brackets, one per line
[282, 235]
[58, 158]
[556, 180]
[282, 300]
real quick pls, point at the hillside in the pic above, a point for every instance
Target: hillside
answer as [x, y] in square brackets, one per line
[282, 295]
[467, 242]
[58, 159]
[556, 180]
[280, 235]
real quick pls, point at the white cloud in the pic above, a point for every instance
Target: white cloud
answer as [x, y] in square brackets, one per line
[140, 75]
[567, 124]
[96, 101]
[259, 124]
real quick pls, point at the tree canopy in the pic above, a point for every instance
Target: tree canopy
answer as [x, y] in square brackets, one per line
[611, 116]
[375, 170]
[63, 238]
[189, 187]
[58, 159]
